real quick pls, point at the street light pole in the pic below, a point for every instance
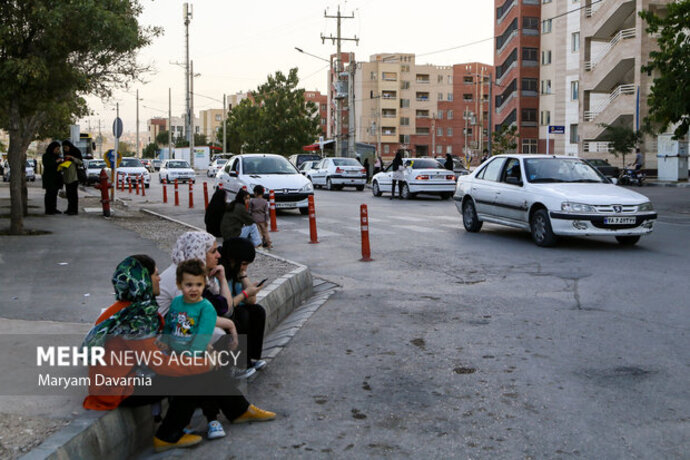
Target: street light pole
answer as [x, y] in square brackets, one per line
[225, 121]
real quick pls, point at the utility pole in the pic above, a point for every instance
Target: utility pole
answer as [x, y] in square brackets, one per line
[225, 121]
[187, 15]
[191, 114]
[351, 123]
[100, 140]
[338, 70]
[137, 154]
[491, 85]
[170, 154]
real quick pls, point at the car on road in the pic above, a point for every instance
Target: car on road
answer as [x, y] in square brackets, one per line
[300, 158]
[420, 175]
[156, 164]
[28, 170]
[132, 169]
[338, 172]
[273, 172]
[147, 164]
[458, 166]
[215, 166]
[179, 170]
[551, 196]
[306, 166]
[605, 168]
[93, 170]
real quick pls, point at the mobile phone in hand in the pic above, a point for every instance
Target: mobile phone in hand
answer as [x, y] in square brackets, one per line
[262, 282]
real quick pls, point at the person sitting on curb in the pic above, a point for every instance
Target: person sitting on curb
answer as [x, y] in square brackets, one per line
[238, 222]
[132, 324]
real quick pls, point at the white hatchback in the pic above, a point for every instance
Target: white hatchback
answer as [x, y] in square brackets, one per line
[273, 172]
[338, 172]
[551, 196]
[179, 170]
[420, 175]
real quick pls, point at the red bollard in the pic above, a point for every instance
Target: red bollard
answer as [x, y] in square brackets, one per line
[272, 210]
[129, 183]
[313, 238]
[191, 194]
[165, 193]
[143, 187]
[104, 186]
[364, 225]
[177, 195]
[122, 182]
[205, 195]
[137, 180]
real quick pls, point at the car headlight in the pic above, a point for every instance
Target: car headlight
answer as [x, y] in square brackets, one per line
[576, 208]
[307, 188]
[645, 207]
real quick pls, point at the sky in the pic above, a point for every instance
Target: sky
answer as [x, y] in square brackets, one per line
[236, 45]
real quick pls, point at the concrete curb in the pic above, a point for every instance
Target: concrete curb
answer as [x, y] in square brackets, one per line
[123, 432]
[668, 184]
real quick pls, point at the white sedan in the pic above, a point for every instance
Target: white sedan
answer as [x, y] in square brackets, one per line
[551, 196]
[420, 175]
[338, 172]
[273, 172]
[179, 170]
[216, 166]
[132, 169]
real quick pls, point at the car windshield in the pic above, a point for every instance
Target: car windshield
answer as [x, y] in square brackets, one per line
[598, 163]
[423, 163]
[267, 165]
[346, 162]
[544, 170]
[130, 163]
[178, 164]
[96, 164]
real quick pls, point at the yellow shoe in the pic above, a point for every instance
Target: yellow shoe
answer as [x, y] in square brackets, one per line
[254, 414]
[187, 440]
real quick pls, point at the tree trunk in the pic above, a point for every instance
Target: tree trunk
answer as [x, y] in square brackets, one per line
[21, 132]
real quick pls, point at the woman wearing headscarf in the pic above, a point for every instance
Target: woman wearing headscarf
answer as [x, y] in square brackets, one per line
[51, 178]
[70, 176]
[131, 325]
[449, 162]
[238, 222]
[397, 169]
[249, 317]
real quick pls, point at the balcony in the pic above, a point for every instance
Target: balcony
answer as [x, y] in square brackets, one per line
[620, 112]
[388, 113]
[422, 79]
[591, 115]
[503, 10]
[624, 34]
[422, 97]
[596, 147]
[389, 95]
[607, 17]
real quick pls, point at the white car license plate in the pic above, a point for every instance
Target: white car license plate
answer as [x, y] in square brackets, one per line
[620, 220]
[286, 204]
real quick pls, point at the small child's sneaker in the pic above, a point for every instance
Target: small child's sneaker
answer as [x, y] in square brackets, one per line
[215, 430]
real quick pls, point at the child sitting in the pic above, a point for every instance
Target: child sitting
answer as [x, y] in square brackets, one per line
[258, 208]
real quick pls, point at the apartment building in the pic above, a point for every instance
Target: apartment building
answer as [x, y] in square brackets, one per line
[614, 90]
[339, 89]
[399, 104]
[321, 101]
[559, 85]
[158, 124]
[517, 59]
[211, 121]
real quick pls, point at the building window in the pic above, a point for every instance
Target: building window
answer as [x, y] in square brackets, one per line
[546, 1]
[574, 90]
[546, 57]
[440, 96]
[467, 131]
[386, 148]
[575, 42]
[439, 79]
[439, 115]
[404, 121]
[530, 84]
[405, 68]
[449, 149]
[450, 115]
[439, 149]
[529, 146]
[530, 54]
[405, 85]
[450, 79]
[529, 115]
[439, 132]
[449, 132]
[372, 76]
[467, 97]
[468, 80]
[388, 131]
[324, 107]
[450, 97]
[389, 76]
[545, 117]
[573, 134]
[546, 86]
[422, 131]
[530, 23]
[218, 117]
[422, 113]
[546, 26]
[404, 103]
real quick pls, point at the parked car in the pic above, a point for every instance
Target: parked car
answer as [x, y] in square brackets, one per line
[605, 168]
[273, 172]
[156, 164]
[29, 171]
[147, 164]
[176, 169]
[300, 158]
[132, 169]
[338, 172]
[306, 166]
[420, 175]
[93, 170]
[215, 166]
[458, 166]
[551, 196]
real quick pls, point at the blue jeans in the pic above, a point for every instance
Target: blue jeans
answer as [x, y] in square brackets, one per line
[251, 232]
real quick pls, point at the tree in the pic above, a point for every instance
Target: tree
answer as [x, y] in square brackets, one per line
[150, 151]
[51, 53]
[125, 149]
[279, 119]
[199, 139]
[622, 138]
[504, 140]
[669, 99]
[162, 138]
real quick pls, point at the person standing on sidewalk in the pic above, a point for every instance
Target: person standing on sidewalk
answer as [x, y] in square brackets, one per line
[71, 177]
[397, 173]
[51, 178]
[258, 208]
[238, 222]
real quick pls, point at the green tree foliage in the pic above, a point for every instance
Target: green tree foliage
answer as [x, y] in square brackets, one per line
[162, 138]
[199, 139]
[669, 100]
[125, 149]
[278, 120]
[504, 140]
[52, 52]
[150, 151]
[623, 139]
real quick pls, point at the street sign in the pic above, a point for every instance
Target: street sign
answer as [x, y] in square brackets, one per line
[110, 158]
[117, 127]
[554, 129]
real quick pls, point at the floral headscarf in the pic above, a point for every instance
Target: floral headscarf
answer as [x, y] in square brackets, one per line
[195, 245]
[132, 282]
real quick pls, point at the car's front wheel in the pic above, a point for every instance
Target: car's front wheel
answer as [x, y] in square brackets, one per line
[375, 189]
[628, 240]
[542, 233]
[469, 217]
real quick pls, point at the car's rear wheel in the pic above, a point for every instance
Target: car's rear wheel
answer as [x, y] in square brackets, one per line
[542, 233]
[375, 189]
[304, 211]
[329, 184]
[628, 240]
[469, 217]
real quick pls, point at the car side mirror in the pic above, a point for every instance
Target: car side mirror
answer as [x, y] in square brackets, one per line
[614, 180]
[513, 181]
[233, 173]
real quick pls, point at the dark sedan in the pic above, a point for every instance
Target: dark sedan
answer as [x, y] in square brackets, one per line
[605, 168]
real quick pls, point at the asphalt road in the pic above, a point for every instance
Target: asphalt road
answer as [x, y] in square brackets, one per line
[452, 344]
